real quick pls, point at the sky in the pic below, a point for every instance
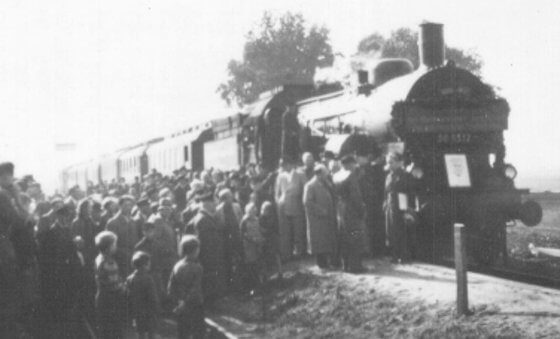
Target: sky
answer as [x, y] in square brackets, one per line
[107, 74]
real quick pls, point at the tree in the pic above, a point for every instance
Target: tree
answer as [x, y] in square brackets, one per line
[282, 50]
[403, 43]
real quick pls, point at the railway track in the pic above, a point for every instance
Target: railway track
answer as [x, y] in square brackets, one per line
[508, 273]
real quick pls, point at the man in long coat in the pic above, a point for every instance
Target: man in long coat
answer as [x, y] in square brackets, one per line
[397, 183]
[320, 209]
[62, 277]
[229, 215]
[127, 234]
[351, 213]
[291, 214]
[211, 234]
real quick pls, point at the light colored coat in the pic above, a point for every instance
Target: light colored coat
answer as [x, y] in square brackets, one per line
[289, 191]
[320, 209]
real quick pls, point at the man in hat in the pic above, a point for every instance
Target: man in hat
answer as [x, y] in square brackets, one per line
[165, 235]
[229, 215]
[320, 210]
[61, 277]
[211, 235]
[125, 228]
[371, 176]
[351, 214]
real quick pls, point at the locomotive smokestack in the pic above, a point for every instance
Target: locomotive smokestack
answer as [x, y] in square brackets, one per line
[431, 44]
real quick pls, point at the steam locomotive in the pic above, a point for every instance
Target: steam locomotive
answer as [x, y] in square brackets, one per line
[445, 121]
[447, 124]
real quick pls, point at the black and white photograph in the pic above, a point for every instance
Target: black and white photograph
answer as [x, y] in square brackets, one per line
[279, 169]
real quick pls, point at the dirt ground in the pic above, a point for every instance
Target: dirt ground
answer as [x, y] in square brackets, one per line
[390, 301]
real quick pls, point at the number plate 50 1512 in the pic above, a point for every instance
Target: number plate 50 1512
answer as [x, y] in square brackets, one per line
[454, 138]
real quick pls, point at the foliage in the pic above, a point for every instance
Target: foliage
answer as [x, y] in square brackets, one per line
[403, 43]
[281, 50]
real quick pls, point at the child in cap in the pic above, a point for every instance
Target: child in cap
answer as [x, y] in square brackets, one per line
[185, 288]
[142, 296]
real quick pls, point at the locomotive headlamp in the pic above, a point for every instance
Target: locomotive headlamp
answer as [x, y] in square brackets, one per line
[510, 172]
[416, 172]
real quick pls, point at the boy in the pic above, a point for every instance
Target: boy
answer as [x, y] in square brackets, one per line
[185, 288]
[109, 299]
[142, 296]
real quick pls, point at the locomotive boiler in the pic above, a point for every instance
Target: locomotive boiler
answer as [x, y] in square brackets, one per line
[449, 126]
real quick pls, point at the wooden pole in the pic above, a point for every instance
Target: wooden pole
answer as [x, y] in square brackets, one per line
[461, 270]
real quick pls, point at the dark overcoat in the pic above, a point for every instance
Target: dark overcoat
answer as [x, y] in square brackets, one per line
[211, 235]
[60, 271]
[351, 211]
[397, 182]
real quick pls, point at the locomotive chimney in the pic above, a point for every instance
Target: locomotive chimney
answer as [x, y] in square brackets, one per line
[431, 44]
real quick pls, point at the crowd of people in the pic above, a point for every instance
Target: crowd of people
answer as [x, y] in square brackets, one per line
[116, 255]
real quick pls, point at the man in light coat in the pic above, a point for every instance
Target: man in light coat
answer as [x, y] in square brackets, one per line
[291, 214]
[320, 209]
